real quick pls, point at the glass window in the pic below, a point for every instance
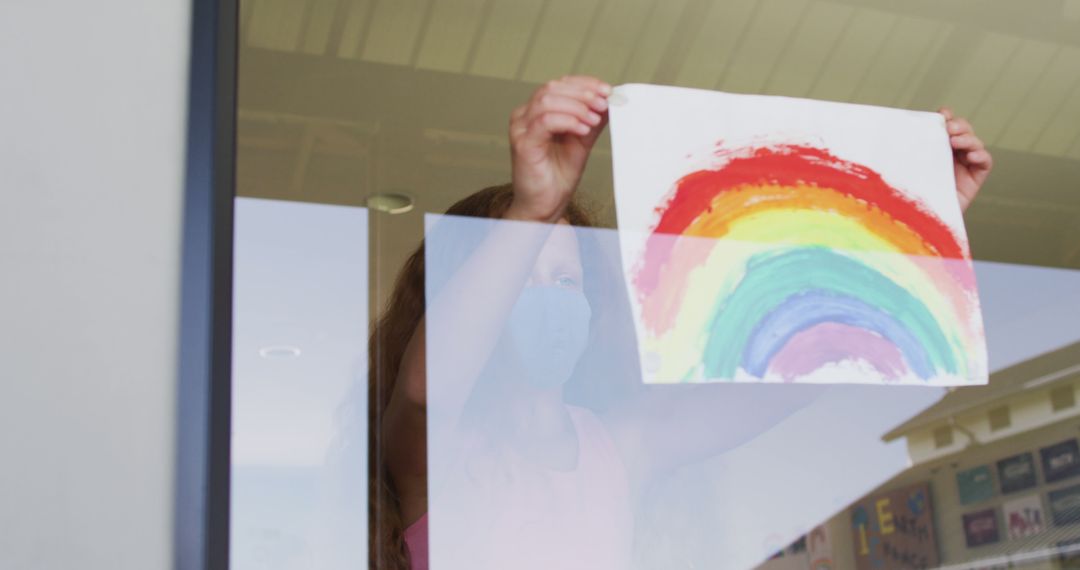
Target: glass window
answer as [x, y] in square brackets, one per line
[299, 418]
[502, 406]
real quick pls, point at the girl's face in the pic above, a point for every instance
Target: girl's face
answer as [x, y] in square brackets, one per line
[559, 262]
[548, 327]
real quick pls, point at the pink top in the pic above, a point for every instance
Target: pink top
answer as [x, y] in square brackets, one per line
[416, 539]
[524, 517]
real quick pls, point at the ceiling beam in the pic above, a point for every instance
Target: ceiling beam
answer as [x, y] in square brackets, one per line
[337, 27]
[336, 88]
[1042, 20]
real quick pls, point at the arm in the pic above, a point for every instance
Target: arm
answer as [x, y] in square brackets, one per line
[550, 137]
[665, 427]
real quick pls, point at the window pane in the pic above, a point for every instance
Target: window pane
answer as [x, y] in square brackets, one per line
[299, 420]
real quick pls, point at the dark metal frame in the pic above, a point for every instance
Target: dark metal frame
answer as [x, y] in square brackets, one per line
[201, 533]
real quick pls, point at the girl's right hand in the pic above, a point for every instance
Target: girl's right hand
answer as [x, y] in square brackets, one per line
[550, 140]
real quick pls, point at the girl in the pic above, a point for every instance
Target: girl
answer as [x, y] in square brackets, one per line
[537, 482]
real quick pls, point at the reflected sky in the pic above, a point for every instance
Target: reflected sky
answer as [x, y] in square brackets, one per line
[299, 446]
[1023, 310]
[714, 475]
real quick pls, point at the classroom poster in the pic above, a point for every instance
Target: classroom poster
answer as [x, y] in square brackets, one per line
[1065, 505]
[1016, 473]
[787, 240]
[1060, 461]
[895, 530]
[981, 528]
[975, 485]
[1024, 517]
[819, 548]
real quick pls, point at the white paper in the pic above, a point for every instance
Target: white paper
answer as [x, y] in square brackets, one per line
[900, 307]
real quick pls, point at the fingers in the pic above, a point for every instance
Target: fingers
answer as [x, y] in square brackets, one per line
[589, 90]
[551, 102]
[965, 142]
[967, 145]
[570, 105]
[971, 159]
[588, 82]
[980, 159]
[537, 126]
[594, 99]
[958, 127]
[960, 130]
[969, 148]
[547, 124]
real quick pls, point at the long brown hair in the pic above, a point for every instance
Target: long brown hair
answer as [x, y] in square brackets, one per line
[386, 347]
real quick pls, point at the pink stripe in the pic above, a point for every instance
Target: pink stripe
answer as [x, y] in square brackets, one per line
[827, 343]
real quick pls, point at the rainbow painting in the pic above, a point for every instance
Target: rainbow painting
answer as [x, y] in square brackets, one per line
[782, 261]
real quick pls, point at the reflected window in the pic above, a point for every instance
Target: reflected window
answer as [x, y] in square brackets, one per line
[299, 419]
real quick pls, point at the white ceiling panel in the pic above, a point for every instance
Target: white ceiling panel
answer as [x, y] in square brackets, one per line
[817, 36]
[503, 41]
[1047, 96]
[560, 36]
[663, 18]
[357, 15]
[897, 61]
[928, 54]
[978, 74]
[394, 27]
[761, 45]
[320, 21]
[611, 44]
[715, 43]
[275, 24]
[1024, 69]
[853, 56]
[1060, 134]
[454, 26]
[264, 18]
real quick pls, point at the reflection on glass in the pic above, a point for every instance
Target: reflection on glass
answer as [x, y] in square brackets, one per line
[361, 113]
[299, 449]
[1028, 310]
[552, 454]
[545, 450]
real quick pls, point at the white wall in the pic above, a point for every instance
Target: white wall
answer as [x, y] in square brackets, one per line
[92, 126]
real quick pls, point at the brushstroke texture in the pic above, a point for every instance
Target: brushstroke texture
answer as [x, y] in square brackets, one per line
[788, 249]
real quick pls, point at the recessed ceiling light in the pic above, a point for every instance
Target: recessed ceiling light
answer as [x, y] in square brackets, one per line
[390, 202]
[279, 352]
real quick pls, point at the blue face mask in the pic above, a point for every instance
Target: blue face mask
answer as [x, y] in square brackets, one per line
[549, 329]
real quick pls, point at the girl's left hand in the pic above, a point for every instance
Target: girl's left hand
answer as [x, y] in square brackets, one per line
[971, 161]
